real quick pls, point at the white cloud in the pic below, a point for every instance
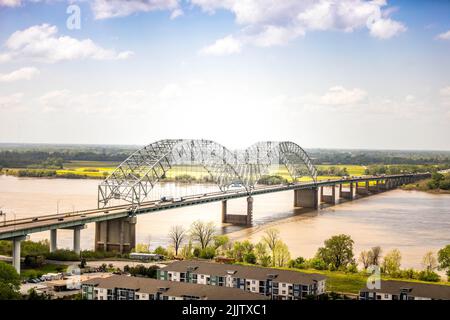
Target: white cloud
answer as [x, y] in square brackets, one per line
[42, 43]
[386, 28]
[224, 46]
[444, 35]
[11, 102]
[176, 13]
[445, 92]
[104, 9]
[10, 3]
[21, 74]
[271, 22]
[338, 95]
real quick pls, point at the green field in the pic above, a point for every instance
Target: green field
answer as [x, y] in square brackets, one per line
[353, 170]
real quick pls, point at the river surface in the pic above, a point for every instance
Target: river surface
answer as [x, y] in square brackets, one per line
[414, 222]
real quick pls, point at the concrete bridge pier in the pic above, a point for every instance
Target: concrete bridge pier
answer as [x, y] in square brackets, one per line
[307, 198]
[53, 240]
[77, 237]
[363, 191]
[116, 235]
[16, 252]
[375, 188]
[350, 194]
[224, 211]
[239, 219]
[328, 198]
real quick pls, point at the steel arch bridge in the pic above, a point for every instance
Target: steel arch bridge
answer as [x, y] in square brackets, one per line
[133, 180]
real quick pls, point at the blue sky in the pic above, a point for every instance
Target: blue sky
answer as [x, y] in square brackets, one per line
[323, 73]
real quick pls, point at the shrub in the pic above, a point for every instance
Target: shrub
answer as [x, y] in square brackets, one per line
[317, 263]
[352, 268]
[429, 276]
[250, 258]
[160, 250]
[63, 255]
[92, 255]
[141, 270]
[196, 252]
[299, 263]
[207, 253]
[34, 261]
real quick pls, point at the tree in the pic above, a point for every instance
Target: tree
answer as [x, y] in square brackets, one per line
[186, 251]
[161, 251]
[271, 238]
[9, 282]
[281, 254]
[392, 261]
[364, 258]
[429, 261]
[375, 255]
[177, 235]
[444, 259]
[298, 263]
[261, 255]
[337, 252]
[203, 233]
[221, 241]
[238, 251]
[371, 257]
[142, 248]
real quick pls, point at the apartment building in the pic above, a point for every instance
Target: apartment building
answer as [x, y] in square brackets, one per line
[119, 287]
[274, 283]
[403, 290]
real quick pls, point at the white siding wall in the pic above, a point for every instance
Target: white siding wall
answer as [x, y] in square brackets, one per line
[321, 287]
[101, 294]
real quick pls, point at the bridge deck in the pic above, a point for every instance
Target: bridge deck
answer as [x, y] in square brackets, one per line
[21, 227]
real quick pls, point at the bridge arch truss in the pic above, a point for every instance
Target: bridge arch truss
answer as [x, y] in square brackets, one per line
[135, 177]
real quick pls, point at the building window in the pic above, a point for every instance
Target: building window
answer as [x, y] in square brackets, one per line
[386, 296]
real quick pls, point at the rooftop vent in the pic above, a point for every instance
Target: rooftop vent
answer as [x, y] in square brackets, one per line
[231, 271]
[163, 289]
[272, 275]
[192, 268]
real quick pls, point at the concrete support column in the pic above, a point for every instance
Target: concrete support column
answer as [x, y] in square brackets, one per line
[224, 211]
[306, 198]
[116, 234]
[249, 210]
[349, 195]
[76, 239]
[53, 240]
[16, 252]
[321, 194]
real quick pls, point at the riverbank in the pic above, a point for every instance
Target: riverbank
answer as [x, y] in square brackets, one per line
[439, 183]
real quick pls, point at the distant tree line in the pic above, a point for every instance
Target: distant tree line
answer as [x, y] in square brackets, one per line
[53, 159]
[366, 157]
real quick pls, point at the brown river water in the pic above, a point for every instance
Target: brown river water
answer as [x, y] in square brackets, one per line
[414, 222]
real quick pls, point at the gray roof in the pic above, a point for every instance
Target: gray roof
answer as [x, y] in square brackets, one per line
[244, 272]
[416, 289]
[172, 288]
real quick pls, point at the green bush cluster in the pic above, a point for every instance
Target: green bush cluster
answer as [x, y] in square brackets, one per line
[272, 180]
[439, 181]
[141, 270]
